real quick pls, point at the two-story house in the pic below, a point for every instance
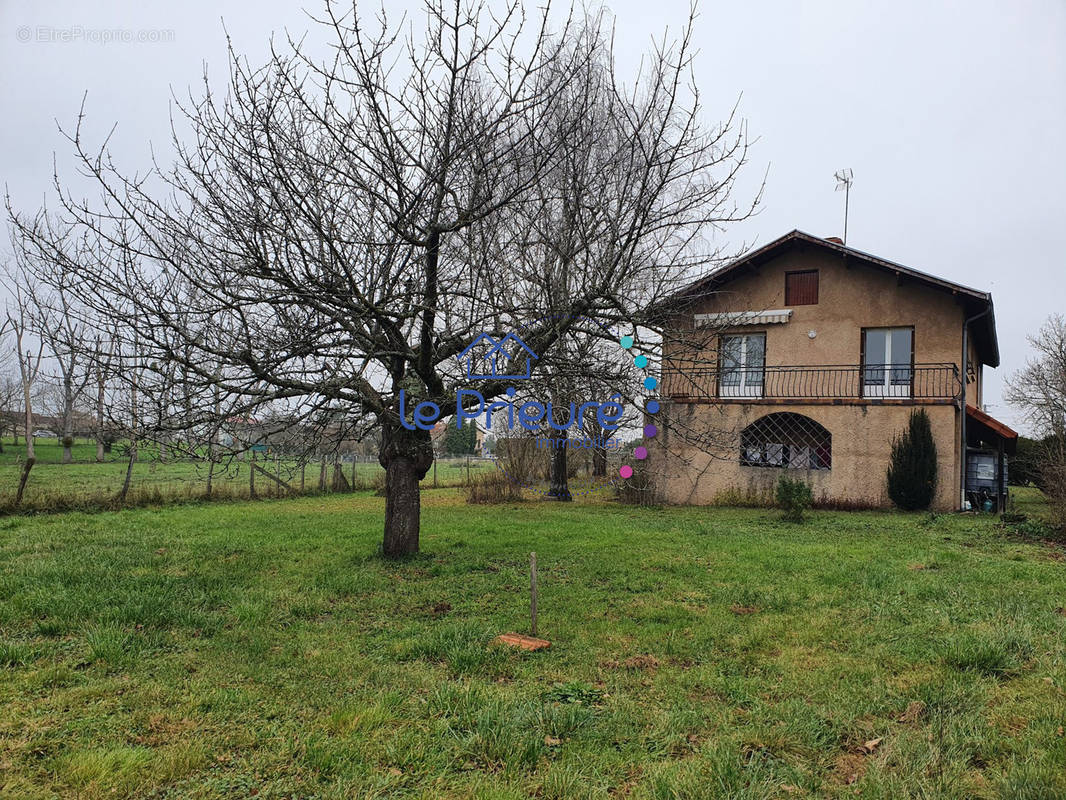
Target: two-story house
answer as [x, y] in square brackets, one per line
[807, 357]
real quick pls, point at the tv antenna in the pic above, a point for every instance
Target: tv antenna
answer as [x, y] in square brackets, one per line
[844, 180]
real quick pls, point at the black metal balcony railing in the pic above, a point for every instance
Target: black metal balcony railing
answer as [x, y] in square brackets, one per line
[873, 382]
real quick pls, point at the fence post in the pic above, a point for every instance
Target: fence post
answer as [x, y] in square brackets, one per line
[251, 474]
[303, 470]
[434, 472]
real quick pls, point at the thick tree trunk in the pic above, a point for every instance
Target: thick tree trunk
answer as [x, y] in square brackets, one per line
[559, 483]
[406, 456]
[599, 462]
[558, 480]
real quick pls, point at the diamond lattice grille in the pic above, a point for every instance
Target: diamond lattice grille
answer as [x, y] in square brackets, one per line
[788, 441]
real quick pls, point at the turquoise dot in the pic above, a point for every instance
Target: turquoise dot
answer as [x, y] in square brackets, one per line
[650, 383]
[641, 361]
[627, 342]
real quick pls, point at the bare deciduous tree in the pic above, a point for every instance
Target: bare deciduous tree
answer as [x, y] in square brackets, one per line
[19, 320]
[336, 233]
[1039, 390]
[65, 337]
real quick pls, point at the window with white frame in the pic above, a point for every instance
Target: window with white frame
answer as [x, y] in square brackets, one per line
[887, 362]
[743, 361]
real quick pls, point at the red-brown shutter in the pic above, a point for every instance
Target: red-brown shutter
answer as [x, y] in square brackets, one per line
[801, 288]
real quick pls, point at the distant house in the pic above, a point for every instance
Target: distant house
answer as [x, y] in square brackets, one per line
[506, 358]
[439, 436]
[806, 357]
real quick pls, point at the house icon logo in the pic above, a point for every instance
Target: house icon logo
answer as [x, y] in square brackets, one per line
[488, 358]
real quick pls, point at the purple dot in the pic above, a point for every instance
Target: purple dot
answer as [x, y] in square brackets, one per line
[640, 453]
[650, 431]
[625, 471]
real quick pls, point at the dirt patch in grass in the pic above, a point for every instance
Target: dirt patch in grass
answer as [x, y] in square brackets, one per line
[914, 712]
[646, 663]
[848, 768]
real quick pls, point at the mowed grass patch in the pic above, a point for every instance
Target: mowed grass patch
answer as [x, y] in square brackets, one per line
[264, 649]
[86, 485]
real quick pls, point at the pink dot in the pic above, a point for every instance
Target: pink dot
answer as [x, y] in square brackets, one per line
[625, 471]
[640, 453]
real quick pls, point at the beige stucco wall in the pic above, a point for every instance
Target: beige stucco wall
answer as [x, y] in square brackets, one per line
[698, 469]
[849, 300]
[691, 471]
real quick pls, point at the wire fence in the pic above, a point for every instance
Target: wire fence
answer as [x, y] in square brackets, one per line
[87, 484]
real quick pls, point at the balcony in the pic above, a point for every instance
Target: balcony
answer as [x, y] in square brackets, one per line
[921, 383]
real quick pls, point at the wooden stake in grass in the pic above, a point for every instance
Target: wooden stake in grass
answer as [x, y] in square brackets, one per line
[24, 477]
[533, 592]
[518, 639]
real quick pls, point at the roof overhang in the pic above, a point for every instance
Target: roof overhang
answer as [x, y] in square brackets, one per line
[990, 429]
[976, 305]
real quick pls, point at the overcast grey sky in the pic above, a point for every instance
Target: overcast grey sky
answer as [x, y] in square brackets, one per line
[952, 114]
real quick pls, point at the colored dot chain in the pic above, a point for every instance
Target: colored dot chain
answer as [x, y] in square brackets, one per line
[651, 406]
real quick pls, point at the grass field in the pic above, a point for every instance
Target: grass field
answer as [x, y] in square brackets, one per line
[262, 649]
[86, 484]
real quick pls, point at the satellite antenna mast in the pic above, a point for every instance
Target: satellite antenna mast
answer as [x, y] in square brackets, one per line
[844, 179]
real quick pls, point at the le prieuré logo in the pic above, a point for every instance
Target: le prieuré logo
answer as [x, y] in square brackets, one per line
[509, 358]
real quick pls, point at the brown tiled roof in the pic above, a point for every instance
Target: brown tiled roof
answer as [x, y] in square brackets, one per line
[974, 301]
[991, 422]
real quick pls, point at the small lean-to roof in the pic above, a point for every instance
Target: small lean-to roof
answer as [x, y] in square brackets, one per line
[993, 425]
[973, 301]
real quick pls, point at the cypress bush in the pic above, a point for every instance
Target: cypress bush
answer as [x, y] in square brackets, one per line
[912, 472]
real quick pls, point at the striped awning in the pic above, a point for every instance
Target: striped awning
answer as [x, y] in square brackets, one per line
[730, 319]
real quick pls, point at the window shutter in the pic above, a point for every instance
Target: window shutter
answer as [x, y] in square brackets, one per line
[801, 288]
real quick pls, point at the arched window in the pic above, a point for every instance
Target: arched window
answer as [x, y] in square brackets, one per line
[786, 440]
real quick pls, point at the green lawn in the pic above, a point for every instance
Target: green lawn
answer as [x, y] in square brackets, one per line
[262, 649]
[85, 483]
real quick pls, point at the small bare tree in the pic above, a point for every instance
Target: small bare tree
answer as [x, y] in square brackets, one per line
[66, 339]
[10, 393]
[19, 319]
[1039, 390]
